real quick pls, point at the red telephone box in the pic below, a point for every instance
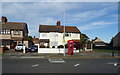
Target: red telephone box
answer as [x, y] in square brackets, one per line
[70, 47]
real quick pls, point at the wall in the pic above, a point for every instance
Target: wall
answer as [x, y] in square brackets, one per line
[58, 37]
[26, 43]
[55, 50]
[51, 50]
[5, 36]
[1, 50]
[116, 41]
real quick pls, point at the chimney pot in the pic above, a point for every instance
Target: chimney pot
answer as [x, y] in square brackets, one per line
[4, 19]
[58, 23]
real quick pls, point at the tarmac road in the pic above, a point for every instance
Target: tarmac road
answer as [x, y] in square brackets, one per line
[38, 65]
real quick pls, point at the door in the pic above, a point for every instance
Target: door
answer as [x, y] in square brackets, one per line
[13, 44]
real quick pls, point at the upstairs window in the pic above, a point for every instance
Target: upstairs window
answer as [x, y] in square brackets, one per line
[67, 34]
[44, 35]
[4, 31]
[17, 32]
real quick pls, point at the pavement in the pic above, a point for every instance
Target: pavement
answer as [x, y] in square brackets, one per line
[81, 55]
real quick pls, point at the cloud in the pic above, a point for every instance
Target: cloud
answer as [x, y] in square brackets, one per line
[36, 13]
[93, 14]
[95, 25]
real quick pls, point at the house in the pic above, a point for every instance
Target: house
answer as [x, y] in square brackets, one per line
[12, 33]
[116, 40]
[53, 35]
[98, 42]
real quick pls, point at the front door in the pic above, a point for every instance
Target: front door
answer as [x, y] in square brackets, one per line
[13, 44]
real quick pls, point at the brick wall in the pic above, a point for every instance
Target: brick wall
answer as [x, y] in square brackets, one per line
[1, 49]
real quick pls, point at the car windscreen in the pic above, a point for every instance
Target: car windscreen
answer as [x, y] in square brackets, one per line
[34, 46]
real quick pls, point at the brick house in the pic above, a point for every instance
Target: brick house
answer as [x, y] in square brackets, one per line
[98, 42]
[116, 40]
[12, 33]
[52, 35]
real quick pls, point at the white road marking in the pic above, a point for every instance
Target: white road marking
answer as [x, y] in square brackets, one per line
[32, 57]
[114, 64]
[56, 61]
[35, 65]
[76, 65]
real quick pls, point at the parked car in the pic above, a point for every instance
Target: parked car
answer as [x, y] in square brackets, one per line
[33, 48]
[20, 47]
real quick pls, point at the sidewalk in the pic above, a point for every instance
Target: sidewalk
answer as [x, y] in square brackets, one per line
[82, 55]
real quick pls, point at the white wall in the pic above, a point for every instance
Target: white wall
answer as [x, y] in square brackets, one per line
[58, 37]
[51, 50]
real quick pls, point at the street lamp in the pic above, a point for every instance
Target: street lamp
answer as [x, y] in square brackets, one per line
[64, 34]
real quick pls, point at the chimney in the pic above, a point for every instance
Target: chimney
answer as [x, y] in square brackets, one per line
[4, 19]
[58, 23]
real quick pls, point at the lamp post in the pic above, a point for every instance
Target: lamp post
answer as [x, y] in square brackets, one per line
[64, 34]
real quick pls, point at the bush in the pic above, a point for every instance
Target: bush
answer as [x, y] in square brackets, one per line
[42, 46]
[60, 46]
[48, 47]
[66, 45]
[53, 46]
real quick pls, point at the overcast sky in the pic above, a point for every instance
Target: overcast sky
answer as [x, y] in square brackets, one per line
[95, 19]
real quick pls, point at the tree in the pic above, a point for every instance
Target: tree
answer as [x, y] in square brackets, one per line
[84, 40]
[30, 37]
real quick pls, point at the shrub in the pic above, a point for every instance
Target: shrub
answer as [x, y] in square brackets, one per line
[66, 45]
[60, 46]
[53, 46]
[48, 47]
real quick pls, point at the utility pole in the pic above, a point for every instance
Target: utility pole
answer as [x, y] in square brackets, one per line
[64, 33]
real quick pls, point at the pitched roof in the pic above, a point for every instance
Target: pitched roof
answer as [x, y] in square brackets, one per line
[49, 28]
[55, 28]
[117, 35]
[14, 25]
[97, 40]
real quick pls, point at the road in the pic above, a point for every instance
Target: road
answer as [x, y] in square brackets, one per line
[37, 65]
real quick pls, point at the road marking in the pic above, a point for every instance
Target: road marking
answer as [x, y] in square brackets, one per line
[76, 65]
[35, 65]
[56, 60]
[32, 57]
[114, 64]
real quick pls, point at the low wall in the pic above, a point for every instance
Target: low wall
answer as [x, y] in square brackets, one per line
[51, 50]
[54, 50]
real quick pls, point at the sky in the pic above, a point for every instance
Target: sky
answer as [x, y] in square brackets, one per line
[95, 19]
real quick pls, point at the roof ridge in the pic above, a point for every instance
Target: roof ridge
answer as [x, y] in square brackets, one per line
[17, 22]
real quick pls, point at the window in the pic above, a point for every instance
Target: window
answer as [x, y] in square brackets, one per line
[44, 35]
[54, 43]
[55, 35]
[67, 34]
[4, 31]
[5, 42]
[17, 32]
